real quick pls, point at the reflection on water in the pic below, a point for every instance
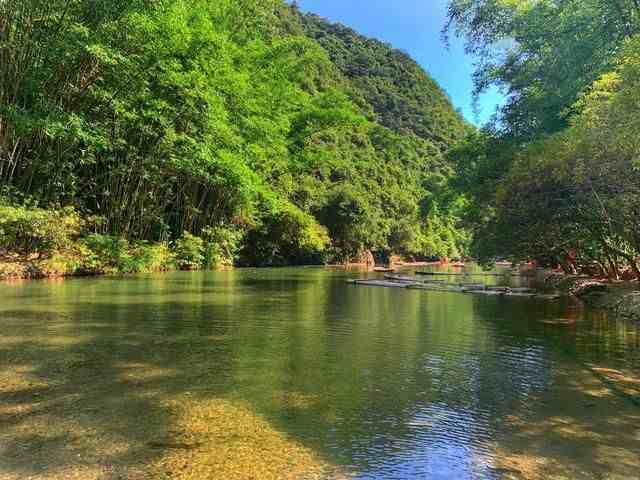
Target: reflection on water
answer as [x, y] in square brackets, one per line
[369, 382]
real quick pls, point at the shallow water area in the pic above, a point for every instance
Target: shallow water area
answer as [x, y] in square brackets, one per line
[293, 373]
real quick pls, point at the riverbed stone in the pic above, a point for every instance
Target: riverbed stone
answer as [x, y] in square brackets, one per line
[629, 306]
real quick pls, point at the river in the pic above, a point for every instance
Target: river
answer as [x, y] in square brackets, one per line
[293, 373]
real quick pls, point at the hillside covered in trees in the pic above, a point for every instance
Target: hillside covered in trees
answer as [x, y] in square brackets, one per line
[227, 129]
[557, 177]
[403, 96]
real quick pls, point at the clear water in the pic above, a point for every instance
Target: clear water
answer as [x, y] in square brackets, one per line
[380, 383]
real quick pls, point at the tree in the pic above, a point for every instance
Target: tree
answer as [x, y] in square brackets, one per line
[576, 193]
[542, 54]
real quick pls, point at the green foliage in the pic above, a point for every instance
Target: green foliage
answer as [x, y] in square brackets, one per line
[443, 236]
[147, 257]
[576, 194]
[285, 235]
[35, 230]
[556, 179]
[58, 264]
[222, 245]
[403, 96]
[542, 53]
[169, 119]
[190, 252]
[108, 254]
[348, 218]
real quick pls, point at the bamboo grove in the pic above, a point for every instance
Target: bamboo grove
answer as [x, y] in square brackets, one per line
[153, 119]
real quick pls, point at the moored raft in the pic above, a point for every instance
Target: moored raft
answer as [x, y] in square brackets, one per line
[548, 296]
[410, 279]
[402, 278]
[497, 293]
[436, 287]
[501, 293]
[499, 289]
[468, 274]
[404, 281]
[471, 286]
[379, 283]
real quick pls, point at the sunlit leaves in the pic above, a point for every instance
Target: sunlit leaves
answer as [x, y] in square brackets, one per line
[577, 190]
[543, 54]
[167, 117]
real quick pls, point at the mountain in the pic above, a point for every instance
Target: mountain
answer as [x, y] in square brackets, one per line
[404, 97]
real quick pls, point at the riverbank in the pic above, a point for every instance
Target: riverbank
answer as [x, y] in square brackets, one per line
[51, 243]
[82, 262]
[18, 268]
[619, 297]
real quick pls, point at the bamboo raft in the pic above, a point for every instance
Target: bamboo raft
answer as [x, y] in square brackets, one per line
[414, 283]
[469, 274]
[409, 279]
[379, 283]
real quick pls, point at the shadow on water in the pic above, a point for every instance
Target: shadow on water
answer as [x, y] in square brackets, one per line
[94, 398]
[93, 380]
[582, 424]
[191, 375]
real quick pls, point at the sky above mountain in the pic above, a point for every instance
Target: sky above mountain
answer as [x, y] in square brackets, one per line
[415, 27]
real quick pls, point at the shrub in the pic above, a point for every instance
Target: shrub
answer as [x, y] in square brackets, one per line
[147, 257]
[108, 254]
[116, 255]
[34, 230]
[285, 235]
[189, 251]
[59, 264]
[221, 246]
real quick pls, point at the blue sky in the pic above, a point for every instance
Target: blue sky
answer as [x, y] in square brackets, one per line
[414, 26]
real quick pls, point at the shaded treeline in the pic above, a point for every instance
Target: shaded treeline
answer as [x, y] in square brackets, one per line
[155, 118]
[556, 177]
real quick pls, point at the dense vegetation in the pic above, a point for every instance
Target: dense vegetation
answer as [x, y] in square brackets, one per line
[557, 177]
[218, 125]
[403, 96]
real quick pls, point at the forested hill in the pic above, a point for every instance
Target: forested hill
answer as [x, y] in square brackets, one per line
[219, 127]
[404, 97]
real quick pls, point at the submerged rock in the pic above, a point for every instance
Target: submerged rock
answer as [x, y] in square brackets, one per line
[629, 306]
[589, 287]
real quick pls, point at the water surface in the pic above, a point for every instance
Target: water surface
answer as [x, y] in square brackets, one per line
[368, 382]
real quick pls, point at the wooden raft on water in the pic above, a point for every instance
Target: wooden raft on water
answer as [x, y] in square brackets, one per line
[404, 281]
[409, 279]
[470, 274]
[379, 283]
